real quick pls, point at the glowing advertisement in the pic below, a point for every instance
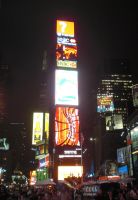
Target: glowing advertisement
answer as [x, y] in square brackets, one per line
[4, 145]
[37, 127]
[66, 171]
[65, 28]
[135, 95]
[66, 52]
[44, 162]
[66, 87]
[66, 55]
[47, 126]
[105, 104]
[32, 177]
[114, 122]
[40, 150]
[66, 126]
[66, 41]
[67, 64]
[134, 138]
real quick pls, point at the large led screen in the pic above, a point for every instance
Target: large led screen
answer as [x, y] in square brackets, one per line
[66, 56]
[105, 104]
[66, 52]
[66, 41]
[37, 127]
[65, 28]
[134, 138]
[66, 87]
[114, 122]
[66, 171]
[66, 126]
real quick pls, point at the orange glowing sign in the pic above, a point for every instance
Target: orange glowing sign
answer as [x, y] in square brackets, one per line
[66, 126]
[66, 52]
[65, 28]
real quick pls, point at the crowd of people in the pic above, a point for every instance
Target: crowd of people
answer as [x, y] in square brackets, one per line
[36, 193]
[52, 192]
[122, 193]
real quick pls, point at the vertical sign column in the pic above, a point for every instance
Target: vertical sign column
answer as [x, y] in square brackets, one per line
[66, 92]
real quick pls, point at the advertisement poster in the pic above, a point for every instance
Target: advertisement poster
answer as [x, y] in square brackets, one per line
[66, 87]
[135, 95]
[37, 127]
[105, 104]
[66, 126]
[65, 28]
[114, 122]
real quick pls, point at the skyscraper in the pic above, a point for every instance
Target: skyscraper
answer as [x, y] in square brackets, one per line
[114, 104]
[44, 95]
[3, 93]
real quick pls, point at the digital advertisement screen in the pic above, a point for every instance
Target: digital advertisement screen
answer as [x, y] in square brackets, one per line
[105, 104]
[4, 145]
[66, 126]
[135, 95]
[67, 64]
[44, 162]
[40, 150]
[47, 126]
[114, 122]
[66, 41]
[123, 170]
[66, 52]
[124, 154]
[37, 127]
[66, 87]
[66, 171]
[134, 138]
[65, 28]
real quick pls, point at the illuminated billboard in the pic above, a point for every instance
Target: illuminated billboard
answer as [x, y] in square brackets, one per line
[47, 127]
[66, 87]
[114, 122]
[105, 103]
[67, 41]
[135, 95]
[37, 127]
[67, 64]
[4, 145]
[66, 126]
[66, 52]
[65, 28]
[44, 162]
[66, 171]
[66, 56]
[134, 138]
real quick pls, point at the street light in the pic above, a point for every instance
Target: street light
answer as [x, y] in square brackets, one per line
[92, 139]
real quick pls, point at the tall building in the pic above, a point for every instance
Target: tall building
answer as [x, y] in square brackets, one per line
[119, 88]
[19, 140]
[114, 104]
[4, 93]
[44, 88]
[5, 154]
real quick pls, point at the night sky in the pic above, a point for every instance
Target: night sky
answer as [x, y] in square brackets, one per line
[104, 30]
